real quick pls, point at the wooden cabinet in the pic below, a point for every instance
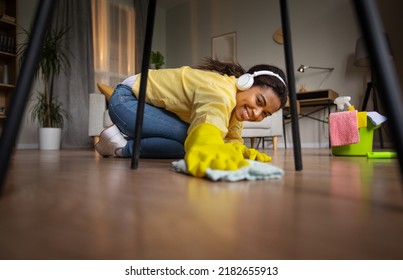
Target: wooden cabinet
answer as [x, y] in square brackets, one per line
[8, 57]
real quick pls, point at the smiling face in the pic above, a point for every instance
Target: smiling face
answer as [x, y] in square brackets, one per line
[255, 104]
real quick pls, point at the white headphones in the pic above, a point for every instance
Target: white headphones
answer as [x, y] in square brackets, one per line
[245, 81]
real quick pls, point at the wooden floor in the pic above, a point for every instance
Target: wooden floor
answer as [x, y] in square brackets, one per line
[74, 204]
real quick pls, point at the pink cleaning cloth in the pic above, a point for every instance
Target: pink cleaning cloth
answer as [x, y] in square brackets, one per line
[343, 128]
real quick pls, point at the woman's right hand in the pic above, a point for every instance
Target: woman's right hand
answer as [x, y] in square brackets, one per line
[206, 149]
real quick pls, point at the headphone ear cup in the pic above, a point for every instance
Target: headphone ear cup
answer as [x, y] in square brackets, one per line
[244, 82]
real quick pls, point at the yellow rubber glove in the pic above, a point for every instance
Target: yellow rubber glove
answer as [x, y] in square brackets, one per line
[251, 154]
[205, 148]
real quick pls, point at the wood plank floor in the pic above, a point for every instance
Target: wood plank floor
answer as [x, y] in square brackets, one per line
[73, 204]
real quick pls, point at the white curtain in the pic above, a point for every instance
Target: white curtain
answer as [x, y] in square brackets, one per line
[101, 38]
[72, 88]
[114, 33]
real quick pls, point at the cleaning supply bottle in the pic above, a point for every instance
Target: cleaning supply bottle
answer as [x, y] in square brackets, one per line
[342, 101]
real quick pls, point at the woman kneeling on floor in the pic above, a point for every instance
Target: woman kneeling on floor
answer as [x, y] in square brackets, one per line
[195, 113]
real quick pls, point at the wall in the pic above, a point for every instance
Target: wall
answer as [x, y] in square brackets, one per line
[391, 15]
[159, 34]
[324, 34]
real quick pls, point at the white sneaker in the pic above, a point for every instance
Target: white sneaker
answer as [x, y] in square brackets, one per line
[110, 140]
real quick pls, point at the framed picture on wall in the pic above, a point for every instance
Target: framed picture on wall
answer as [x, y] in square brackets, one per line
[223, 48]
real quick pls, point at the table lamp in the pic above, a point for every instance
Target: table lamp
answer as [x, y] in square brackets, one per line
[303, 67]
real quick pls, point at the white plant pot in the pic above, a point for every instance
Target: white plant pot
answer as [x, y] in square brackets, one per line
[49, 138]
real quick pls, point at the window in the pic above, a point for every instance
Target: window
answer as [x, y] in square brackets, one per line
[113, 24]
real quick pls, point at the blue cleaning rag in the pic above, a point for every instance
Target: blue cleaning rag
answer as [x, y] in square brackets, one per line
[255, 171]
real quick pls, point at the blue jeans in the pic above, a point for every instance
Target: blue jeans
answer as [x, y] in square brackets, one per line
[163, 133]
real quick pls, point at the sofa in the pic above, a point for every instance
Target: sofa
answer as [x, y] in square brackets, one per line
[98, 115]
[271, 127]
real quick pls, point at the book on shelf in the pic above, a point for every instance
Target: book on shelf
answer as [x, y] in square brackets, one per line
[8, 18]
[7, 44]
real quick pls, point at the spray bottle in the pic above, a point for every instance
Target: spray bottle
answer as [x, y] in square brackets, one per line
[342, 101]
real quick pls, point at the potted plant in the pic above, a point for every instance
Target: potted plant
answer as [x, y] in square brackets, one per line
[156, 59]
[47, 111]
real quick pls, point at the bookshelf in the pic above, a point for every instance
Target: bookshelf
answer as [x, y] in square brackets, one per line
[8, 57]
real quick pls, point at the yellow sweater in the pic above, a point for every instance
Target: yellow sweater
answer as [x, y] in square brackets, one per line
[196, 97]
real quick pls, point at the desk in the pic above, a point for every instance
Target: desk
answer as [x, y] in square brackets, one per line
[322, 99]
[318, 98]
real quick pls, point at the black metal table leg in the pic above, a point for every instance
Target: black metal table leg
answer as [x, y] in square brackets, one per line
[291, 84]
[19, 98]
[372, 28]
[143, 82]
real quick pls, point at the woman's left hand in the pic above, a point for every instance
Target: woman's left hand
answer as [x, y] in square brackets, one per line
[251, 154]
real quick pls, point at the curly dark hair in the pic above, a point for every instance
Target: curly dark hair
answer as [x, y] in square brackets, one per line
[235, 69]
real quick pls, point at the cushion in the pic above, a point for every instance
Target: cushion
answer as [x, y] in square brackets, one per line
[105, 90]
